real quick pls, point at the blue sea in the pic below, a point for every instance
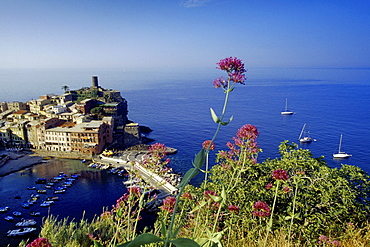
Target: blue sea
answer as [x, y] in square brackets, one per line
[175, 104]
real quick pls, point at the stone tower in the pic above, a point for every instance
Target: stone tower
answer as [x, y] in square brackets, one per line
[95, 83]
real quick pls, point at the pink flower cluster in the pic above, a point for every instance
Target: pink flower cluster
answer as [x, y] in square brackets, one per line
[235, 71]
[233, 209]
[280, 174]
[247, 131]
[39, 242]
[325, 240]
[169, 204]
[261, 209]
[208, 145]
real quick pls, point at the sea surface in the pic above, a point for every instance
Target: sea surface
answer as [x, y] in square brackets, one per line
[176, 106]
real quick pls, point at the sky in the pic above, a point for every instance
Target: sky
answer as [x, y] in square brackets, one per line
[175, 34]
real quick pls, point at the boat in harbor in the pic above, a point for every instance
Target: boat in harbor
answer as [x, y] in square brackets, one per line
[286, 111]
[4, 209]
[304, 136]
[26, 222]
[9, 218]
[340, 154]
[17, 213]
[34, 213]
[20, 232]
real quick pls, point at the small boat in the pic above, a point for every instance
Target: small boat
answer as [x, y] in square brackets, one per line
[59, 191]
[41, 181]
[20, 232]
[302, 138]
[31, 188]
[45, 204]
[83, 161]
[17, 213]
[26, 222]
[341, 154]
[4, 209]
[41, 191]
[53, 198]
[9, 218]
[25, 205]
[286, 111]
[34, 213]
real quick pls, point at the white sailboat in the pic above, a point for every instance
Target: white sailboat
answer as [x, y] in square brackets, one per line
[341, 154]
[286, 111]
[302, 138]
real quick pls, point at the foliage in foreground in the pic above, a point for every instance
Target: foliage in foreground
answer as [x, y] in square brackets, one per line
[294, 200]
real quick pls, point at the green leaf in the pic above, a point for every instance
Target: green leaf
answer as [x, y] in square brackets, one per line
[163, 228]
[214, 116]
[199, 159]
[119, 213]
[215, 198]
[223, 193]
[202, 204]
[191, 173]
[145, 238]
[97, 244]
[184, 242]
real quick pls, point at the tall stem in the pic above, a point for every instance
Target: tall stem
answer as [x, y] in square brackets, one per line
[269, 226]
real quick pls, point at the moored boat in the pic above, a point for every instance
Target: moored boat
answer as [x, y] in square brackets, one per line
[9, 218]
[26, 222]
[20, 232]
[17, 213]
[4, 209]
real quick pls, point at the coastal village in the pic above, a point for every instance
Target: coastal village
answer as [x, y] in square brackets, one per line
[76, 124]
[85, 124]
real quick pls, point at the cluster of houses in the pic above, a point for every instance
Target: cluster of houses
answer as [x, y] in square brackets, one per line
[65, 123]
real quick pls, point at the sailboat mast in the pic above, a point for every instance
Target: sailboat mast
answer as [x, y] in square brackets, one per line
[340, 143]
[300, 136]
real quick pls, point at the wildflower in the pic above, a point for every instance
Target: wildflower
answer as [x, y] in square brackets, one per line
[261, 209]
[323, 238]
[231, 64]
[39, 242]
[168, 204]
[335, 242]
[208, 145]
[187, 195]
[280, 174]
[233, 209]
[135, 190]
[157, 148]
[219, 82]
[269, 186]
[286, 189]
[247, 131]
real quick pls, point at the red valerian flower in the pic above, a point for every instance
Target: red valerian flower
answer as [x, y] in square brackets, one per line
[208, 145]
[219, 82]
[286, 189]
[247, 131]
[261, 209]
[187, 195]
[280, 174]
[169, 204]
[39, 242]
[233, 209]
[231, 64]
[269, 186]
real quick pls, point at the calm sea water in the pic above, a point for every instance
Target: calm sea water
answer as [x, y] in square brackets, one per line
[331, 102]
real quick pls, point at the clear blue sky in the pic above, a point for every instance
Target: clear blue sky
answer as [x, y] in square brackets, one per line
[184, 34]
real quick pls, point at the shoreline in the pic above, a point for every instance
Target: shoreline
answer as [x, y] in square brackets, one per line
[19, 161]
